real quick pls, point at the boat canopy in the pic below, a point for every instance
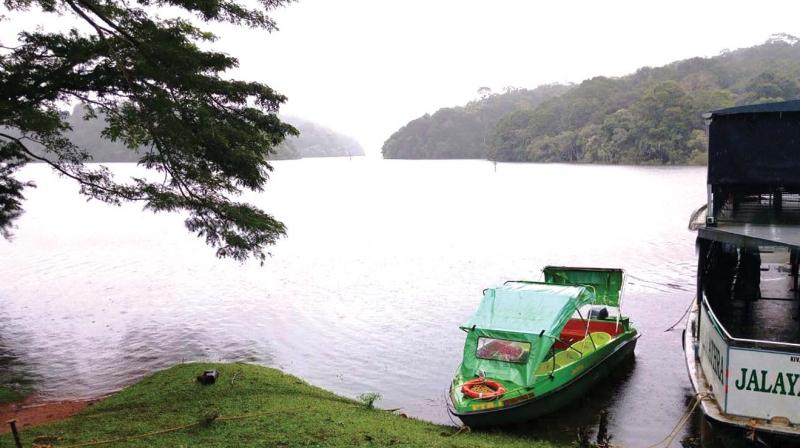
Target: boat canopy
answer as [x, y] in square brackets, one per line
[755, 147]
[525, 316]
[606, 283]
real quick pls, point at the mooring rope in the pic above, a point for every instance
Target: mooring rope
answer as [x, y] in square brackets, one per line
[682, 315]
[173, 429]
[667, 441]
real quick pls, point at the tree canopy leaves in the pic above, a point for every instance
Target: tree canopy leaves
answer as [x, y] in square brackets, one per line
[157, 89]
[314, 140]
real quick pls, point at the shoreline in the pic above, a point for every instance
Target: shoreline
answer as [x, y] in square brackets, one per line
[249, 405]
[33, 411]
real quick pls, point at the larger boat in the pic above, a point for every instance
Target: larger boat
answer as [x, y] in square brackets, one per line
[742, 339]
[533, 347]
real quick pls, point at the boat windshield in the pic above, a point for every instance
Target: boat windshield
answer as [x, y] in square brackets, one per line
[503, 350]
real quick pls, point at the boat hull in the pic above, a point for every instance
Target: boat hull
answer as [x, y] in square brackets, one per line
[551, 401]
[749, 428]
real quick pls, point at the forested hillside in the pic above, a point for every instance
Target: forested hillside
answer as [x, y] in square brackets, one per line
[462, 132]
[653, 116]
[314, 141]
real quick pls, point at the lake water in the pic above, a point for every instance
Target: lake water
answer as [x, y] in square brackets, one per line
[384, 259]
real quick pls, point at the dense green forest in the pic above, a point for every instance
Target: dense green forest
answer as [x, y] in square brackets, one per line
[653, 116]
[314, 141]
[462, 132]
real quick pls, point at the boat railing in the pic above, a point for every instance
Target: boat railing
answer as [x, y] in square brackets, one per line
[758, 344]
[754, 205]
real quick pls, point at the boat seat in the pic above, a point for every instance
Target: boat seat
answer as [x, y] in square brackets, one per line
[575, 330]
[584, 346]
[546, 366]
[600, 338]
[567, 357]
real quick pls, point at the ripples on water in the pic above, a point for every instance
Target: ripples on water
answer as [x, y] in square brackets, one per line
[383, 261]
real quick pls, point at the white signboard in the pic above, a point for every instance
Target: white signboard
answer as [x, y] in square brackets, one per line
[764, 384]
[713, 357]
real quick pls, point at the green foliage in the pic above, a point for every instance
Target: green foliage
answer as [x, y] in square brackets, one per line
[462, 132]
[369, 399]
[160, 94]
[653, 116]
[248, 406]
[86, 132]
[10, 395]
[768, 87]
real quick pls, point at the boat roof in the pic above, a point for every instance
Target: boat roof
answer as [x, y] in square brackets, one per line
[777, 107]
[754, 148]
[748, 234]
[530, 313]
[606, 283]
[528, 308]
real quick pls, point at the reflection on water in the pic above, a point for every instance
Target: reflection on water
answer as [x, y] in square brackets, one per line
[562, 426]
[15, 371]
[383, 261]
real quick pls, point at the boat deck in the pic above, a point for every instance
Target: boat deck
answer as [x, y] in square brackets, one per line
[774, 317]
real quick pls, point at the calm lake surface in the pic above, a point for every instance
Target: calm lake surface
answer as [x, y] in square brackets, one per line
[383, 261]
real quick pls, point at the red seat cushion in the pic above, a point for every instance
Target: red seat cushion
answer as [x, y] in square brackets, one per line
[575, 330]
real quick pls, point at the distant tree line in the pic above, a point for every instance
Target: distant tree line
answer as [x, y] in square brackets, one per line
[463, 132]
[653, 116]
[314, 140]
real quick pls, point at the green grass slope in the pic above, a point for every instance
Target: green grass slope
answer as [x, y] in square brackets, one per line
[254, 407]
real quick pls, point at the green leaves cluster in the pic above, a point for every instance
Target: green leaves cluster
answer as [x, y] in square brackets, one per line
[653, 116]
[162, 95]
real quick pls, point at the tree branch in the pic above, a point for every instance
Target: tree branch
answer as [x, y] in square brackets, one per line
[100, 30]
[61, 170]
[109, 22]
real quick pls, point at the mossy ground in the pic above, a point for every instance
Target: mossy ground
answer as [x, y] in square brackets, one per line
[10, 395]
[284, 412]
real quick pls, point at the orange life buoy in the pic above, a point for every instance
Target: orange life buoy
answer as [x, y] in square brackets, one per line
[469, 387]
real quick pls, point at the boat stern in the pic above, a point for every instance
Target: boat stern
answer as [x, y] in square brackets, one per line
[696, 342]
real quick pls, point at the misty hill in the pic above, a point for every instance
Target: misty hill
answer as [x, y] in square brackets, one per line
[462, 132]
[314, 141]
[653, 116]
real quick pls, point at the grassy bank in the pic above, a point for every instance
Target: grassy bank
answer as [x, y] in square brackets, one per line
[248, 406]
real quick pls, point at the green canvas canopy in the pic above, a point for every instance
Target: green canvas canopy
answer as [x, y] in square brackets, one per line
[606, 283]
[528, 317]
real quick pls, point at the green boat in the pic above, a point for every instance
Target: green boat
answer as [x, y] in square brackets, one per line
[533, 347]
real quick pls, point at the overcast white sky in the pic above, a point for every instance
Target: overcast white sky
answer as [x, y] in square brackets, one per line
[366, 67]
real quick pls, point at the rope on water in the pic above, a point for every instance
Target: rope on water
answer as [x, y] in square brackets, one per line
[449, 415]
[667, 441]
[672, 327]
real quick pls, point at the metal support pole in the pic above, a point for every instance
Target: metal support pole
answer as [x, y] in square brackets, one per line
[13, 424]
[702, 259]
[587, 334]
